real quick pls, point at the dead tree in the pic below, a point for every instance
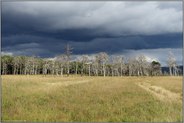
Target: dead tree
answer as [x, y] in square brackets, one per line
[68, 52]
[171, 63]
[96, 64]
[118, 65]
[77, 60]
[84, 60]
[62, 60]
[130, 66]
[16, 62]
[103, 60]
[142, 65]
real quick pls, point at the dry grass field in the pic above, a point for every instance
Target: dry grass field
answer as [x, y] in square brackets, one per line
[91, 99]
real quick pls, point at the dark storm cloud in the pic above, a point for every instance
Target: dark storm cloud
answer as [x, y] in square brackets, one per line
[43, 28]
[50, 47]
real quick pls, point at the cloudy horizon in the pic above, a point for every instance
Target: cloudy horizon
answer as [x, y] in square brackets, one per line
[118, 28]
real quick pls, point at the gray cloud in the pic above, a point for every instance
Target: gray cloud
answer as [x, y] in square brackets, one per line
[114, 18]
[43, 28]
[160, 54]
[51, 46]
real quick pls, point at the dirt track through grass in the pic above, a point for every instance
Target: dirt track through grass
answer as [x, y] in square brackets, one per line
[67, 83]
[161, 93]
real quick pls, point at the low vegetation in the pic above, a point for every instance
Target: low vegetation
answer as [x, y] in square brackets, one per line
[89, 99]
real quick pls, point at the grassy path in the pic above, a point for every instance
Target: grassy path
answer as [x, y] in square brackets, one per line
[161, 93]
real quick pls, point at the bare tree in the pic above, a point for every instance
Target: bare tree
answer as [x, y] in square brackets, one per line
[26, 66]
[96, 64]
[77, 60]
[119, 65]
[101, 65]
[4, 64]
[52, 67]
[115, 66]
[175, 69]
[56, 67]
[142, 65]
[32, 65]
[103, 60]
[171, 63]
[36, 63]
[84, 60]
[62, 61]
[131, 62]
[68, 52]
[89, 62]
[16, 64]
[45, 66]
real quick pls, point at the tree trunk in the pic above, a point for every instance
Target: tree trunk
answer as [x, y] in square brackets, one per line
[25, 70]
[76, 68]
[35, 72]
[129, 71]
[112, 72]
[43, 70]
[68, 69]
[170, 71]
[121, 70]
[33, 68]
[14, 70]
[61, 71]
[96, 71]
[89, 70]
[103, 69]
[57, 71]
[3, 69]
[82, 72]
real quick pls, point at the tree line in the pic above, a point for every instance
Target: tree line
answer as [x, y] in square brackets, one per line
[99, 65]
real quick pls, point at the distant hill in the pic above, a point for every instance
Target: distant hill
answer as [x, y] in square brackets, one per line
[166, 69]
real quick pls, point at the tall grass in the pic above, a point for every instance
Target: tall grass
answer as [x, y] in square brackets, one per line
[92, 99]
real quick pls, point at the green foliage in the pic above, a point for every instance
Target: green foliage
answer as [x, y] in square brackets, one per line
[155, 63]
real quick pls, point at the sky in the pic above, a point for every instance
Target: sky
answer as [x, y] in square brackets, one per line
[119, 28]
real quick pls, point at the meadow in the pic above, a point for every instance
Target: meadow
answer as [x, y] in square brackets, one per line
[91, 99]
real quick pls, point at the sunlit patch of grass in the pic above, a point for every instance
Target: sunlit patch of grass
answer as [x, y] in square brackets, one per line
[96, 99]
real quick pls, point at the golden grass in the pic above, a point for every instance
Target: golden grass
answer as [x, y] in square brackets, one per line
[161, 93]
[88, 99]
